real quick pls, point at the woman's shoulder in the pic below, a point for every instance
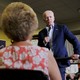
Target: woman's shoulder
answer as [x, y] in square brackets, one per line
[41, 48]
[4, 49]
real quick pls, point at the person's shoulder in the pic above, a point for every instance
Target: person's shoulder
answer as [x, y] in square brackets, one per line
[3, 49]
[42, 30]
[42, 48]
[7, 48]
[60, 25]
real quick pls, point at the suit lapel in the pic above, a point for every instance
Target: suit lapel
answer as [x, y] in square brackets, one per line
[45, 32]
[55, 32]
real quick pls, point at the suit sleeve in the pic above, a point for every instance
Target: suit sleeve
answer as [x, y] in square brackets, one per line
[42, 34]
[72, 39]
[40, 39]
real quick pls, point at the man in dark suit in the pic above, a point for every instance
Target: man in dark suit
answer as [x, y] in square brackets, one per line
[54, 39]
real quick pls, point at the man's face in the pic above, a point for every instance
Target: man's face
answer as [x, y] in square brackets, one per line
[48, 17]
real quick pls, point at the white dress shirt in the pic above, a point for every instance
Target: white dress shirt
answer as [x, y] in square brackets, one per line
[50, 33]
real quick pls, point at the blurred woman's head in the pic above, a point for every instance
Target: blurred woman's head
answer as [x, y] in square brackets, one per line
[19, 21]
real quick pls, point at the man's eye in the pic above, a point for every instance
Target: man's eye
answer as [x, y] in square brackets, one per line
[50, 17]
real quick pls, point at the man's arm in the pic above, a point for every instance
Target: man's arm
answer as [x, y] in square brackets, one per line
[40, 39]
[72, 39]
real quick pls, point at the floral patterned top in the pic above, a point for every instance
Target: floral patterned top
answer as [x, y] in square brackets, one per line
[24, 57]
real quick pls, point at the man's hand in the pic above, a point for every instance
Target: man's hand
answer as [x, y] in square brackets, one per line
[75, 56]
[46, 39]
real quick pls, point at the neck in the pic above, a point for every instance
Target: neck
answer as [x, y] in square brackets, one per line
[51, 24]
[22, 43]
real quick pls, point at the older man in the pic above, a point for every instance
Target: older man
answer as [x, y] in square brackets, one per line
[53, 36]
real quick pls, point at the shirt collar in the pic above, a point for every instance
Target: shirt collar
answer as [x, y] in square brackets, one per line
[52, 26]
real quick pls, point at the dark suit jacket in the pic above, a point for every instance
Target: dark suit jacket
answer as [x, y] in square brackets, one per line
[60, 34]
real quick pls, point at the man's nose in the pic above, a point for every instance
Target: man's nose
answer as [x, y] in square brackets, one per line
[48, 18]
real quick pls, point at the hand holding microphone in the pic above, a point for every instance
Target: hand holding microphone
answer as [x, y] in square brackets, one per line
[46, 40]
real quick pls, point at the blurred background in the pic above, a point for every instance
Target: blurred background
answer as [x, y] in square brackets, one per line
[66, 12]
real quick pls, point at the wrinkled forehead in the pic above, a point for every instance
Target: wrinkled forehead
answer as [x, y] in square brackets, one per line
[48, 13]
